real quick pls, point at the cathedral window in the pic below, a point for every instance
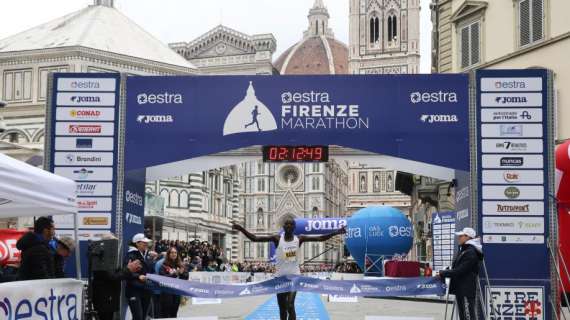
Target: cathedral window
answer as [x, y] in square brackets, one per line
[392, 30]
[374, 31]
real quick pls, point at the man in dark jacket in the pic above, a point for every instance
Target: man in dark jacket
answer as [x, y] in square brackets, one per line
[464, 273]
[37, 258]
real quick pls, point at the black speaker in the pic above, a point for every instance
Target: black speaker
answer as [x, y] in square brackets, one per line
[405, 183]
[104, 255]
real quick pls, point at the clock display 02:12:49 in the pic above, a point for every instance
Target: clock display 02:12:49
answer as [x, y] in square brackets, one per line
[295, 153]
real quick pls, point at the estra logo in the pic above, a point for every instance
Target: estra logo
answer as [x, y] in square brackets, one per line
[160, 98]
[433, 97]
[85, 129]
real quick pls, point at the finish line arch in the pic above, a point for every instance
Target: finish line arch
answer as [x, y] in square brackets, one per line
[493, 125]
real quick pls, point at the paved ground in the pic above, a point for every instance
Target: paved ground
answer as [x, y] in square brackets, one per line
[231, 309]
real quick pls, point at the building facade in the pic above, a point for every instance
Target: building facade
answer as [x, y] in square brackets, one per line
[223, 50]
[518, 34]
[273, 192]
[384, 36]
[374, 186]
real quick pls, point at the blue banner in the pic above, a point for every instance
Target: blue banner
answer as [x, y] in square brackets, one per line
[398, 116]
[386, 287]
[133, 206]
[444, 239]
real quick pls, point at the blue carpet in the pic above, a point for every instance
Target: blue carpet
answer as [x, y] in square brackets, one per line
[308, 306]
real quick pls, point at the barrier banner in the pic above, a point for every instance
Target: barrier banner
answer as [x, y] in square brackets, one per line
[8, 252]
[385, 287]
[60, 299]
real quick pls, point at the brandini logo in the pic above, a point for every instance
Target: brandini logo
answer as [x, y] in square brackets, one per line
[250, 115]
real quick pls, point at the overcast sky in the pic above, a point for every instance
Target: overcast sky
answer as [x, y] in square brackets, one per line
[184, 20]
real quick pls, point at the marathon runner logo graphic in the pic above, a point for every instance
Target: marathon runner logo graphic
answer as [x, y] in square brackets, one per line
[250, 115]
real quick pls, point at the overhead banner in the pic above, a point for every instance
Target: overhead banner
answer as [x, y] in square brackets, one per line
[515, 163]
[386, 287]
[199, 116]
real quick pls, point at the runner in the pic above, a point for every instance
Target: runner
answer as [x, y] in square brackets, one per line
[287, 248]
[254, 115]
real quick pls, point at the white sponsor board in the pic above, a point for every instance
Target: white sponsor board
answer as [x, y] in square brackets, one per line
[198, 301]
[511, 100]
[85, 114]
[513, 239]
[513, 192]
[85, 173]
[515, 303]
[83, 159]
[85, 99]
[94, 204]
[513, 225]
[495, 161]
[86, 84]
[512, 146]
[83, 143]
[513, 176]
[84, 129]
[87, 220]
[84, 235]
[513, 208]
[60, 299]
[511, 115]
[511, 130]
[94, 189]
[511, 84]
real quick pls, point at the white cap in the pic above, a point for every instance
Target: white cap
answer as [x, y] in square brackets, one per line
[139, 237]
[467, 232]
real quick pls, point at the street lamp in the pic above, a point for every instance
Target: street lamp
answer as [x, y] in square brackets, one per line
[2, 124]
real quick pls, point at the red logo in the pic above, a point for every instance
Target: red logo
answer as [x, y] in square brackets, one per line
[86, 204]
[532, 309]
[85, 129]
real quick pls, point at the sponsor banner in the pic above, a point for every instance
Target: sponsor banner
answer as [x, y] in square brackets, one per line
[84, 129]
[511, 84]
[444, 244]
[83, 158]
[97, 189]
[513, 225]
[84, 235]
[513, 192]
[85, 173]
[319, 226]
[514, 130]
[512, 145]
[8, 252]
[371, 288]
[511, 100]
[205, 301]
[513, 239]
[341, 298]
[82, 99]
[48, 299]
[86, 84]
[85, 114]
[513, 176]
[513, 208]
[84, 143]
[523, 161]
[511, 115]
[87, 220]
[94, 204]
[515, 303]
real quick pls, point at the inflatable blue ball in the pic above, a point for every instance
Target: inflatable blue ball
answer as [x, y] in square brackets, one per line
[378, 231]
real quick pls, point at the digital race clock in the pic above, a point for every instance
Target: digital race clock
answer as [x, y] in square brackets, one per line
[295, 153]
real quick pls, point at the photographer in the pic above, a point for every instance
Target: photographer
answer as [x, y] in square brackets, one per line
[63, 248]
[37, 258]
[139, 298]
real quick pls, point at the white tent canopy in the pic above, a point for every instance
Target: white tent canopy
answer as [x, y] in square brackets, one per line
[27, 191]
